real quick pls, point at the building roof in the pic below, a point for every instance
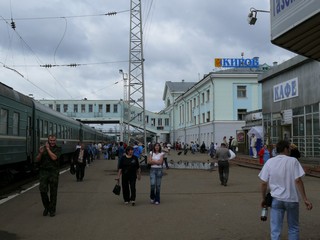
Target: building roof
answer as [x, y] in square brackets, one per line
[177, 87]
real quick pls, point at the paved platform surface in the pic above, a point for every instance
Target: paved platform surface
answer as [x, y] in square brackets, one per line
[193, 206]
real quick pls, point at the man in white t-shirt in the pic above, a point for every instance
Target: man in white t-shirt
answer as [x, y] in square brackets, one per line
[283, 176]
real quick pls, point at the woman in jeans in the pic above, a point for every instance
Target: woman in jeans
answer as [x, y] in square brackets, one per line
[155, 158]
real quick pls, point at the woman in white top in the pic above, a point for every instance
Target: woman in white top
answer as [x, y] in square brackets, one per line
[155, 158]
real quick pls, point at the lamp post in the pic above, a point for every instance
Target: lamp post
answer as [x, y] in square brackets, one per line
[123, 105]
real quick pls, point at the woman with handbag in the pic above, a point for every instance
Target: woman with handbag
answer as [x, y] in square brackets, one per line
[155, 159]
[129, 170]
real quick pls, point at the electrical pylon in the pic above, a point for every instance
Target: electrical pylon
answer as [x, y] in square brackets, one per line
[136, 70]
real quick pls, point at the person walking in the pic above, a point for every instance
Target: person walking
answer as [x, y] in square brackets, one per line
[234, 145]
[80, 158]
[155, 158]
[264, 154]
[121, 152]
[129, 171]
[223, 155]
[282, 174]
[48, 158]
[253, 145]
[165, 151]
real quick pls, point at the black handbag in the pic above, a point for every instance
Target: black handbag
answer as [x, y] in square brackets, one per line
[117, 189]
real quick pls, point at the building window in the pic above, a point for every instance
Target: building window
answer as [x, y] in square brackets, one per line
[107, 108]
[166, 121]
[242, 91]
[15, 124]
[58, 108]
[3, 121]
[208, 95]
[65, 107]
[90, 108]
[75, 108]
[208, 116]
[51, 106]
[241, 114]
[83, 108]
[159, 121]
[100, 108]
[203, 117]
[115, 108]
[202, 98]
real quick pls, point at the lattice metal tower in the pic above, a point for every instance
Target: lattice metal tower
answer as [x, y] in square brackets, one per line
[136, 71]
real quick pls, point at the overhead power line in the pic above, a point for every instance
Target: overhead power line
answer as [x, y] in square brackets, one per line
[75, 16]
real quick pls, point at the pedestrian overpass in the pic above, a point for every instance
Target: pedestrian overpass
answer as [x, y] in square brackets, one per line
[111, 112]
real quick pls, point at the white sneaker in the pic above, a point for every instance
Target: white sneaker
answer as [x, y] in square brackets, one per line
[126, 203]
[156, 203]
[151, 201]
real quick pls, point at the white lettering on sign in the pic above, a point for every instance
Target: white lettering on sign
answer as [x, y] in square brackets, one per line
[285, 90]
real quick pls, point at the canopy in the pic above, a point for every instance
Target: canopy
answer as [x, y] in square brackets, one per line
[258, 131]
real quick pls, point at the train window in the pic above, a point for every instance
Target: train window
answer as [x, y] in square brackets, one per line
[29, 127]
[55, 129]
[15, 124]
[45, 129]
[3, 121]
[59, 131]
[68, 133]
[50, 128]
[41, 128]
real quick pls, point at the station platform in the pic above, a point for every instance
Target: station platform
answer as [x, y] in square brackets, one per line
[193, 206]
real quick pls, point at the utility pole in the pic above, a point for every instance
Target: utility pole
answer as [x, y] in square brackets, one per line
[136, 70]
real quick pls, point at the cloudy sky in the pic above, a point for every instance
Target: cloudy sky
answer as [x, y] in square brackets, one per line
[181, 39]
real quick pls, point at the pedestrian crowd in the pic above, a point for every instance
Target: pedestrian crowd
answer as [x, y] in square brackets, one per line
[281, 174]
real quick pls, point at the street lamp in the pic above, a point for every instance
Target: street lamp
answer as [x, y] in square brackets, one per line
[124, 114]
[252, 16]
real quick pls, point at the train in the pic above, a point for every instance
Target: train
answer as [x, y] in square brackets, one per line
[25, 125]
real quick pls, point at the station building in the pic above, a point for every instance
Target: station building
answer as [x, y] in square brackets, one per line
[291, 103]
[214, 107]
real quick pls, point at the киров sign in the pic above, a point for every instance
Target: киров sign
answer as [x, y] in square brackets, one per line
[236, 62]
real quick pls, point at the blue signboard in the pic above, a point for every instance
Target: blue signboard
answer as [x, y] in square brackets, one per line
[237, 62]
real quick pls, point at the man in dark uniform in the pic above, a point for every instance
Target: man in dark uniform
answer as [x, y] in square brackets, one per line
[223, 156]
[48, 157]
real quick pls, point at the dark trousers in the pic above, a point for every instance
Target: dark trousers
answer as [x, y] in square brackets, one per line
[223, 171]
[49, 180]
[80, 167]
[128, 188]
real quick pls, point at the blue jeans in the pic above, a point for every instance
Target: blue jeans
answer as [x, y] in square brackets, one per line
[276, 219]
[155, 183]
